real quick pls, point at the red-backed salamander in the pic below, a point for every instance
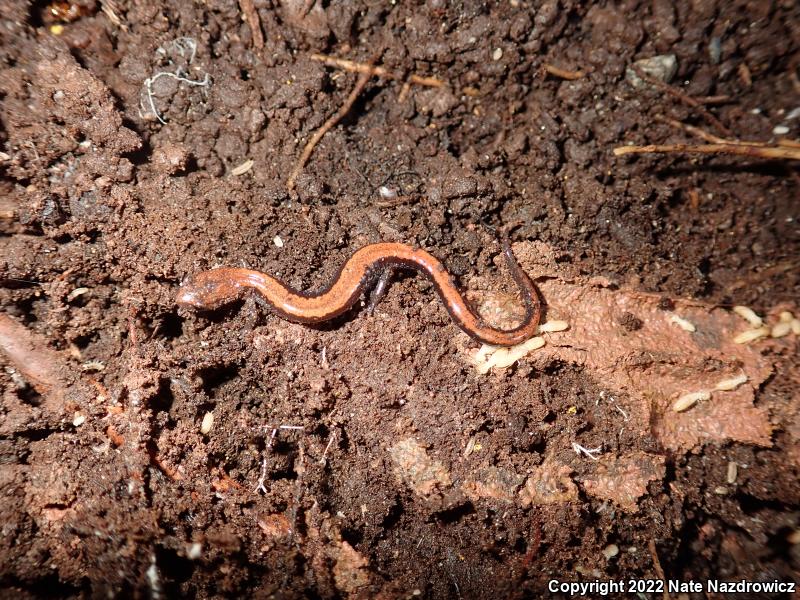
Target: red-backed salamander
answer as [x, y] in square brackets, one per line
[210, 289]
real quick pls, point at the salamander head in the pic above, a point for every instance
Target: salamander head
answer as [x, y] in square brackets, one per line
[207, 290]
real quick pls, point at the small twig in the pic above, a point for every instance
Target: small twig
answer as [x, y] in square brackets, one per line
[349, 65]
[29, 354]
[109, 7]
[675, 93]
[327, 126]
[657, 565]
[782, 152]
[766, 274]
[562, 73]
[720, 99]
[396, 201]
[251, 17]
[307, 8]
[709, 137]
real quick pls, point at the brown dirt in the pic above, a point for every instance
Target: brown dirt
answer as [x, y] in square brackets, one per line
[412, 473]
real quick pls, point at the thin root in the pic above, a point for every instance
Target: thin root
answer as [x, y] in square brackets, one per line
[148, 84]
[562, 73]
[770, 152]
[688, 100]
[327, 126]
[356, 67]
[29, 354]
[250, 15]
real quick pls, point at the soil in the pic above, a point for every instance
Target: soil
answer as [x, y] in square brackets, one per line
[152, 451]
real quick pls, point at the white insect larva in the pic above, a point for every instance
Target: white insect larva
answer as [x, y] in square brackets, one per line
[243, 168]
[751, 334]
[748, 315]
[786, 316]
[781, 329]
[726, 385]
[733, 471]
[551, 326]
[76, 292]
[687, 401]
[795, 326]
[208, 423]
[683, 323]
[502, 358]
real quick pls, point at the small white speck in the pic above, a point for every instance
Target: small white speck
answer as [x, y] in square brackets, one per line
[194, 551]
[387, 193]
[497, 54]
[277, 241]
[780, 130]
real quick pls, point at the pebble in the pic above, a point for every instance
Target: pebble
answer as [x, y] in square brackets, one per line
[662, 67]
[171, 157]
[715, 50]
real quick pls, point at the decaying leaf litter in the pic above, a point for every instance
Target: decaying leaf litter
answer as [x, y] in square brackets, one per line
[653, 429]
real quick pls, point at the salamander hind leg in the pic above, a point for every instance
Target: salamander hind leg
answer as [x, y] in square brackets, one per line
[380, 289]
